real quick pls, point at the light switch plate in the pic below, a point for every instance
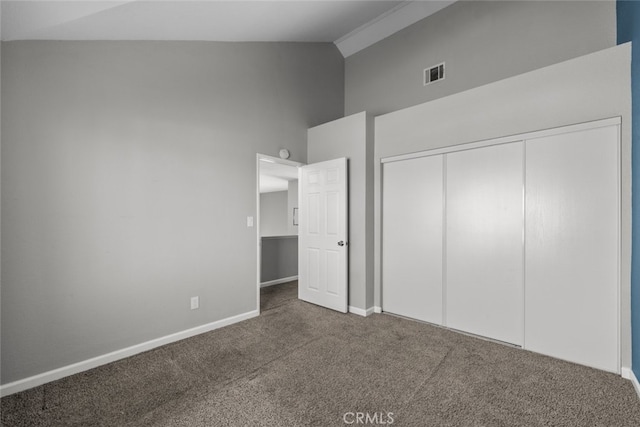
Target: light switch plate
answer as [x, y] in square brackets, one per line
[249, 221]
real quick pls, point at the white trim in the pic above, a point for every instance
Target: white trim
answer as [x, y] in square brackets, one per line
[291, 236]
[524, 245]
[258, 233]
[628, 374]
[377, 310]
[390, 22]
[507, 139]
[85, 365]
[361, 312]
[272, 159]
[443, 314]
[619, 246]
[278, 281]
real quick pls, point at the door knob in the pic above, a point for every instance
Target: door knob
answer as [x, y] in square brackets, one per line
[341, 243]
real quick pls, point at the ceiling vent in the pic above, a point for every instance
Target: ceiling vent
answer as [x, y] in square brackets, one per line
[433, 74]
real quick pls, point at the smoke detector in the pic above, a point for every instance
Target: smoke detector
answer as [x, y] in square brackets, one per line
[284, 153]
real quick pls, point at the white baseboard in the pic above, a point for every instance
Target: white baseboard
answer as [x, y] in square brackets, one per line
[360, 311]
[65, 371]
[628, 374]
[377, 310]
[278, 281]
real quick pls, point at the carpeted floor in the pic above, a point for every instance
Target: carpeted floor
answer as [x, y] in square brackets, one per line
[298, 364]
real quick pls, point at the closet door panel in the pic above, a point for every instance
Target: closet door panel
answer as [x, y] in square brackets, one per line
[412, 209]
[572, 221]
[484, 247]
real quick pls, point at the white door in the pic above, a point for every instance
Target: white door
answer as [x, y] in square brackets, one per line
[322, 234]
[412, 218]
[572, 223]
[484, 255]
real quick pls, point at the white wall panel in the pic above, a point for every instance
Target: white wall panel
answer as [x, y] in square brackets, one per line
[412, 236]
[572, 222]
[484, 248]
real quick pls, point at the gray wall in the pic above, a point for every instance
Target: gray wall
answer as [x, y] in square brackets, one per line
[279, 258]
[273, 213]
[351, 137]
[481, 42]
[562, 94]
[116, 164]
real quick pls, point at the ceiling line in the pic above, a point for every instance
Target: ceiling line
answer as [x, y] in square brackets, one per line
[396, 19]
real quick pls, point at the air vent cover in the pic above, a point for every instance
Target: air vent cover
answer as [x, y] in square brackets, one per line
[434, 74]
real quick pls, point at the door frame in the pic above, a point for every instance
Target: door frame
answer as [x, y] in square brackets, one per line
[271, 159]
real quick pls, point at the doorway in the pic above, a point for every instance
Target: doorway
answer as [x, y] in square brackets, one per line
[276, 222]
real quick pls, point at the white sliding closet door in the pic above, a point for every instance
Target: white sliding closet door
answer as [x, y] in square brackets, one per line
[412, 236]
[572, 220]
[484, 247]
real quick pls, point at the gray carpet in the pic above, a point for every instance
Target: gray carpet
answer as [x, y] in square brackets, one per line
[299, 364]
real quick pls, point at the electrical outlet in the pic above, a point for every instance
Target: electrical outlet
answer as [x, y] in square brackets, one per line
[195, 303]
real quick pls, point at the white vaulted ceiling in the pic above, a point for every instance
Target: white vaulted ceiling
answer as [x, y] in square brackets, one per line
[351, 24]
